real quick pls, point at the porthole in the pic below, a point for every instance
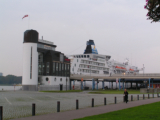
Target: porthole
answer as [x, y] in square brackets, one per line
[47, 79]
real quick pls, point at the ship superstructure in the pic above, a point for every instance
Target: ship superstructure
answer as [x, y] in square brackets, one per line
[92, 63]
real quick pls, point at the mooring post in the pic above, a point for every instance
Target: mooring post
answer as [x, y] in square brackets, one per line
[137, 97]
[115, 100]
[157, 94]
[143, 97]
[1, 112]
[123, 98]
[33, 109]
[131, 97]
[105, 101]
[92, 102]
[153, 95]
[77, 105]
[58, 106]
[148, 96]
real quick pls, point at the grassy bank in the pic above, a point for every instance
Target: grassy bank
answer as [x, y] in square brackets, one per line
[56, 91]
[114, 92]
[143, 112]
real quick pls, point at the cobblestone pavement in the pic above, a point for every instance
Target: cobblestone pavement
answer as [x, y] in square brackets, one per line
[18, 104]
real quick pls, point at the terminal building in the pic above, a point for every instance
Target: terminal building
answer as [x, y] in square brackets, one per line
[44, 68]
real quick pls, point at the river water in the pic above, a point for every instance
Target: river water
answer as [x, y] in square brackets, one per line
[10, 87]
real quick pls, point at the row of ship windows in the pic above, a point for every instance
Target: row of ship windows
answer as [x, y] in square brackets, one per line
[91, 71]
[88, 71]
[81, 56]
[93, 63]
[93, 67]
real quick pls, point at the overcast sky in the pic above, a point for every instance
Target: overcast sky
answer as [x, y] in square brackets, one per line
[118, 27]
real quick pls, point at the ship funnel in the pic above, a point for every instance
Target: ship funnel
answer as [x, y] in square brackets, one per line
[90, 48]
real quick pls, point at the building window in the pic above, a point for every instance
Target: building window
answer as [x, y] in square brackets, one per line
[40, 64]
[84, 56]
[65, 69]
[57, 69]
[43, 68]
[40, 68]
[68, 70]
[47, 68]
[62, 69]
[54, 68]
[87, 56]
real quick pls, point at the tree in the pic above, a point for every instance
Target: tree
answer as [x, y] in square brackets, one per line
[153, 7]
[10, 80]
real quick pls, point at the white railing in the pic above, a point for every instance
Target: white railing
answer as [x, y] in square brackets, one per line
[139, 75]
[117, 75]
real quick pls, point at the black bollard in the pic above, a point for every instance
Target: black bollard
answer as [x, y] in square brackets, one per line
[115, 100]
[58, 106]
[77, 105]
[1, 112]
[153, 95]
[123, 98]
[131, 98]
[157, 94]
[137, 97]
[33, 109]
[92, 102]
[105, 101]
[148, 96]
[143, 97]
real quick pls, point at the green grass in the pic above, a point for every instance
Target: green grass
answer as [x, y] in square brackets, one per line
[54, 91]
[115, 92]
[143, 112]
[3, 91]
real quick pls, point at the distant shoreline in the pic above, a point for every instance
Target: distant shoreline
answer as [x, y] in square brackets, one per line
[9, 85]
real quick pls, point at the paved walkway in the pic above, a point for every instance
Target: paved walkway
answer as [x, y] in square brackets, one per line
[74, 114]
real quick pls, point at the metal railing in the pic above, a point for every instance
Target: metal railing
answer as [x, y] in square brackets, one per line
[139, 75]
[148, 75]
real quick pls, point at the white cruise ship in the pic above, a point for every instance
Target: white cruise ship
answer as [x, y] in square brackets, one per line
[92, 63]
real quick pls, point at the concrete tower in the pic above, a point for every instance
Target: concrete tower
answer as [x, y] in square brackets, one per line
[30, 60]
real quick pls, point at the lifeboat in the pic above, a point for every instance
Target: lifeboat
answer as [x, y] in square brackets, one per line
[131, 69]
[122, 68]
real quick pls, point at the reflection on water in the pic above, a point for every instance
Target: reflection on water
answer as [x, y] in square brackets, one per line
[10, 87]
